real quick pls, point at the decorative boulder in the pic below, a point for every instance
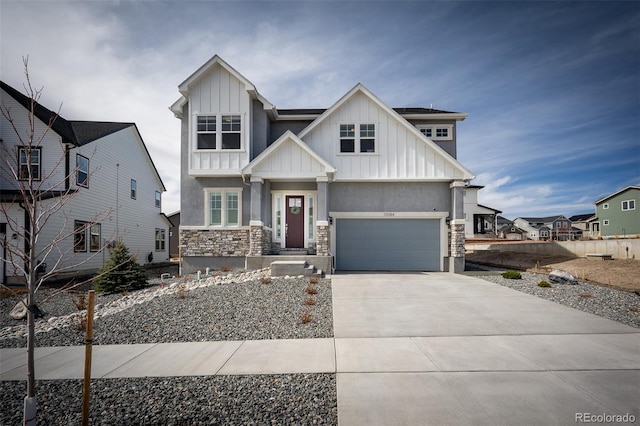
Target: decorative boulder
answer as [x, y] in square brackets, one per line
[19, 311]
[562, 277]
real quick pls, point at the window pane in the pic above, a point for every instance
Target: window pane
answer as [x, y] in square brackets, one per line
[347, 145]
[232, 209]
[82, 166]
[311, 227]
[134, 189]
[426, 132]
[347, 130]
[207, 123]
[278, 216]
[80, 236]
[367, 131]
[367, 145]
[206, 141]
[442, 133]
[231, 141]
[95, 237]
[215, 209]
[158, 199]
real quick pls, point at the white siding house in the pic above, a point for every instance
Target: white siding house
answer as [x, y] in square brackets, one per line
[115, 189]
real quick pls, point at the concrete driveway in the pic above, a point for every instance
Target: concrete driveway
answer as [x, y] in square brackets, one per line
[439, 348]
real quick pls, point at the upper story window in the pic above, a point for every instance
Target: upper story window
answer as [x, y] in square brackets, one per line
[29, 167]
[437, 132]
[219, 132]
[605, 206]
[223, 207]
[364, 140]
[82, 171]
[134, 189]
[628, 205]
[158, 199]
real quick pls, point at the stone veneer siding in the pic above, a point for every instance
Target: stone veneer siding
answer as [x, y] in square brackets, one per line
[215, 242]
[260, 243]
[322, 240]
[457, 240]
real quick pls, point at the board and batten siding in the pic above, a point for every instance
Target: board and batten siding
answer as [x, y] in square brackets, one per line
[400, 152]
[218, 92]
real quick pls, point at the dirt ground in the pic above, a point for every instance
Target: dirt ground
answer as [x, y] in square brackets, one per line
[619, 273]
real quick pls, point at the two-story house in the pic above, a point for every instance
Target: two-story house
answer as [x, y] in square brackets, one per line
[556, 228]
[617, 215]
[115, 191]
[356, 186]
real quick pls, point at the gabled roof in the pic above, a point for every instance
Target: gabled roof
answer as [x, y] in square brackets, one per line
[203, 70]
[581, 217]
[616, 193]
[546, 219]
[76, 133]
[360, 88]
[288, 146]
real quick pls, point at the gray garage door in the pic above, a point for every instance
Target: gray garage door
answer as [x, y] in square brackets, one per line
[388, 245]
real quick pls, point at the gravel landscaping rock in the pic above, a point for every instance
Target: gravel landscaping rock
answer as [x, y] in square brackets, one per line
[302, 399]
[607, 302]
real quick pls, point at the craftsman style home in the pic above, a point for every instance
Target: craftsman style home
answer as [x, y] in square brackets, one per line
[356, 186]
[113, 188]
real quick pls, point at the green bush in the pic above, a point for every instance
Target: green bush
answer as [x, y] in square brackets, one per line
[544, 284]
[511, 275]
[121, 272]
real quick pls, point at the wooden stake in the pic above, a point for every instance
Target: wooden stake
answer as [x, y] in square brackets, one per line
[86, 386]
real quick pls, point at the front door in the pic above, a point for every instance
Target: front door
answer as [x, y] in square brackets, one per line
[294, 222]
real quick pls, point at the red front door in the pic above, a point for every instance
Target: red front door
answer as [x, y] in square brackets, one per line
[294, 225]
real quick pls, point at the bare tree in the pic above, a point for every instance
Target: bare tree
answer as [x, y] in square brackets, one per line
[40, 193]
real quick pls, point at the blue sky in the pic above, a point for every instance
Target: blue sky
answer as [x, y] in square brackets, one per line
[552, 89]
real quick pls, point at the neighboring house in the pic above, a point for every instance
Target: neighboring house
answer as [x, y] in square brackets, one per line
[480, 221]
[174, 235]
[109, 167]
[357, 186]
[581, 224]
[555, 228]
[512, 232]
[617, 215]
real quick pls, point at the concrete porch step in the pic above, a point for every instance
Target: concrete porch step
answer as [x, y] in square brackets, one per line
[282, 268]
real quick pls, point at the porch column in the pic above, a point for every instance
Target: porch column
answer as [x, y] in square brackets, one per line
[257, 238]
[322, 221]
[456, 224]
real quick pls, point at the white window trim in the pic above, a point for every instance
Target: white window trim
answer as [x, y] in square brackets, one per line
[605, 222]
[283, 218]
[357, 137]
[218, 148]
[434, 131]
[605, 206]
[207, 209]
[84, 184]
[627, 201]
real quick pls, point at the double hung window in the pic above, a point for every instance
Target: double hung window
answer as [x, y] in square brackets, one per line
[357, 138]
[160, 239]
[29, 163]
[224, 207]
[219, 132]
[628, 205]
[80, 236]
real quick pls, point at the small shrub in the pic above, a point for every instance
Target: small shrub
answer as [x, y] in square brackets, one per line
[121, 272]
[226, 268]
[311, 290]
[306, 317]
[544, 284]
[309, 301]
[265, 280]
[512, 275]
[78, 322]
[182, 291]
[80, 302]
[313, 280]
[586, 295]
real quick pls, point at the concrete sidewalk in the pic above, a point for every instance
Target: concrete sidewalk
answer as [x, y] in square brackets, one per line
[431, 348]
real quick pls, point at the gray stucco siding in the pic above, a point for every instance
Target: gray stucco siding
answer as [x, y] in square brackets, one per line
[389, 196]
[192, 198]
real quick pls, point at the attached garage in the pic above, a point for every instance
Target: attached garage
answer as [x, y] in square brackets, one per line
[388, 244]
